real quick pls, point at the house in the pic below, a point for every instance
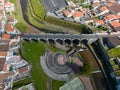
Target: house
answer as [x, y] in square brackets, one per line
[2, 25]
[103, 10]
[4, 46]
[95, 5]
[3, 54]
[11, 20]
[112, 41]
[6, 36]
[110, 17]
[77, 15]
[23, 72]
[9, 7]
[67, 13]
[115, 9]
[5, 68]
[2, 62]
[10, 29]
[11, 37]
[112, 1]
[115, 26]
[6, 80]
[99, 22]
[71, 4]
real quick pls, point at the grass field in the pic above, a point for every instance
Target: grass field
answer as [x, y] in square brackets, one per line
[32, 52]
[32, 19]
[57, 84]
[115, 52]
[38, 9]
[19, 16]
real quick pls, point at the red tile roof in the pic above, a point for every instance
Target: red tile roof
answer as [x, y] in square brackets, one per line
[101, 22]
[78, 14]
[6, 37]
[4, 53]
[2, 62]
[67, 13]
[23, 69]
[111, 16]
[115, 24]
[103, 8]
[5, 67]
[9, 28]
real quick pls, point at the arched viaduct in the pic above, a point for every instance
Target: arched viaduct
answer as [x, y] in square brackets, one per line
[63, 38]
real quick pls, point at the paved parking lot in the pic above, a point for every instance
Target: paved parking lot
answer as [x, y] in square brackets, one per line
[53, 5]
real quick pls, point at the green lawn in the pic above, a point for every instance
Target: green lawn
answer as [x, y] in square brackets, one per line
[115, 52]
[32, 19]
[21, 83]
[57, 84]
[19, 16]
[38, 9]
[32, 52]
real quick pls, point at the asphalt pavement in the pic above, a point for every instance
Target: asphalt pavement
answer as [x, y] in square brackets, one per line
[53, 5]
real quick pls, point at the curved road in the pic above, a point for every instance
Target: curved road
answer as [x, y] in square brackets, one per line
[23, 4]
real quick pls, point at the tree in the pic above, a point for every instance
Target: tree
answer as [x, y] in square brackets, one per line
[85, 29]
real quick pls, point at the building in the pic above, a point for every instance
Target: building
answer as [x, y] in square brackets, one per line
[112, 41]
[77, 15]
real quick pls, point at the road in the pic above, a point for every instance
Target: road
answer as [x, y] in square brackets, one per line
[64, 36]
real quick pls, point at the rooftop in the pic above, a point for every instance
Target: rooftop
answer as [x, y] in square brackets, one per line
[3, 53]
[4, 47]
[23, 69]
[78, 14]
[115, 9]
[2, 62]
[99, 22]
[111, 16]
[115, 24]
[9, 28]
[114, 40]
[103, 8]
[6, 37]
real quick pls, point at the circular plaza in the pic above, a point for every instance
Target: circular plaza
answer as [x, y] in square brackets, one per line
[56, 66]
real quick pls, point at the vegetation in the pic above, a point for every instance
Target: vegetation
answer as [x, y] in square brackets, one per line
[21, 83]
[21, 26]
[57, 84]
[11, 68]
[19, 16]
[80, 27]
[115, 52]
[38, 9]
[32, 19]
[86, 69]
[32, 52]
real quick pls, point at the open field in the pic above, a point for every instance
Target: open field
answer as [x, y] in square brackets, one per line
[32, 52]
